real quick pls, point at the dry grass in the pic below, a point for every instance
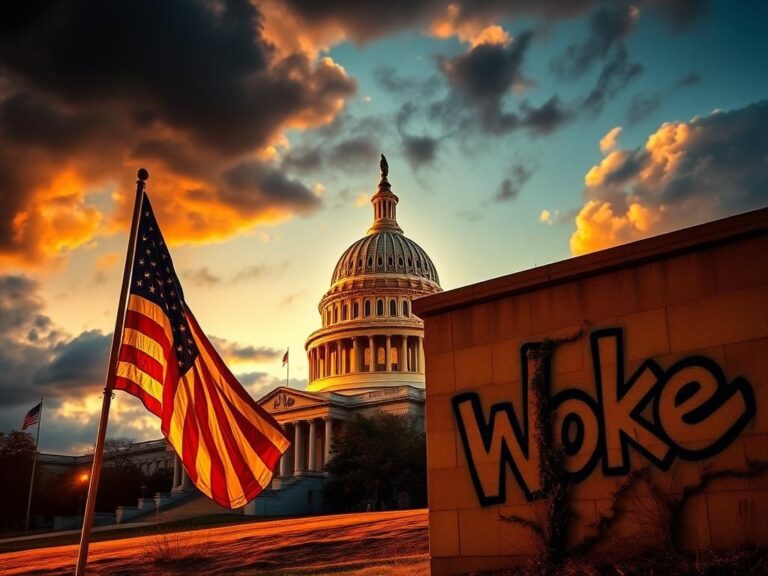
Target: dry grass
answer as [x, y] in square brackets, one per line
[741, 562]
[380, 544]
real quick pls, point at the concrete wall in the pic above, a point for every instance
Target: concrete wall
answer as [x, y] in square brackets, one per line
[687, 306]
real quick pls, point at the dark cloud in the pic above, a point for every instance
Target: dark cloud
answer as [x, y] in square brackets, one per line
[641, 106]
[237, 352]
[358, 152]
[604, 46]
[689, 80]
[420, 150]
[190, 87]
[608, 27]
[680, 14]
[616, 74]
[77, 365]
[349, 144]
[517, 177]
[202, 276]
[36, 358]
[406, 87]
[254, 184]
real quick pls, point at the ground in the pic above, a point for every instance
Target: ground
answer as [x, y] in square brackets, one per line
[368, 544]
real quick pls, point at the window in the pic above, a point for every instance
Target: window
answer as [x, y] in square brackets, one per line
[381, 355]
[393, 357]
[327, 316]
[391, 261]
[367, 308]
[355, 309]
[370, 262]
[367, 357]
[379, 261]
[380, 307]
[405, 308]
[335, 315]
[344, 311]
[392, 308]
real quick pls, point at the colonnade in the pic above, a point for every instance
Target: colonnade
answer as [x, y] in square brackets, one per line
[312, 440]
[373, 353]
[181, 480]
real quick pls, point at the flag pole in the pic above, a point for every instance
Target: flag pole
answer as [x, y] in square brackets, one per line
[288, 367]
[34, 464]
[98, 451]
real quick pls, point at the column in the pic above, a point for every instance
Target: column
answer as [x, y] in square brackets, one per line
[285, 469]
[176, 472]
[355, 356]
[328, 440]
[186, 484]
[388, 355]
[372, 365]
[402, 358]
[312, 464]
[343, 350]
[326, 361]
[420, 360]
[298, 448]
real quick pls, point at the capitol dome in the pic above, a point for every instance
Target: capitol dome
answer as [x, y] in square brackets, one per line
[370, 338]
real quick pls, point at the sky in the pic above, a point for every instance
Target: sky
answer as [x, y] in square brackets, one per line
[518, 133]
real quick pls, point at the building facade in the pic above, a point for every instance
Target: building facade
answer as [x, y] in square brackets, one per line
[368, 355]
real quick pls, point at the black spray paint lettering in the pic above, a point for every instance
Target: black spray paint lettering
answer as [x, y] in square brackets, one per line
[696, 413]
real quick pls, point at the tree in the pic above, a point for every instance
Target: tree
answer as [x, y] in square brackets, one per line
[121, 479]
[377, 460]
[17, 451]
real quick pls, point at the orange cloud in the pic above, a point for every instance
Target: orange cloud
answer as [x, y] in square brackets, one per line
[686, 173]
[597, 226]
[472, 32]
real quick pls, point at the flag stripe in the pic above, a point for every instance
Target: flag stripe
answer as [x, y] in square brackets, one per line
[141, 379]
[132, 388]
[261, 453]
[266, 424]
[146, 344]
[142, 361]
[248, 466]
[217, 481]
[151, 310]
[151, 329]
[238, 476]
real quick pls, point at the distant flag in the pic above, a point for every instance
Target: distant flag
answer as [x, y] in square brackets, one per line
[228, 444]
[285, 358]
[32, 417]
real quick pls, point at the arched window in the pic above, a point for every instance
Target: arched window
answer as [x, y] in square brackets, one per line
[392, 308]
[355, 309]
[380, 307]
[405, 308]
[370, 262]
[344, 311]
[367, 308]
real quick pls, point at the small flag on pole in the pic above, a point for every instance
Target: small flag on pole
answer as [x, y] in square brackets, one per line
[32, 417]
[285, 358]
[228, 444]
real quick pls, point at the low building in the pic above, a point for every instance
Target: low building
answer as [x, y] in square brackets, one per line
[649, 362]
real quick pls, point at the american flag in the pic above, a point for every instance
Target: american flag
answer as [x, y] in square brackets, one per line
[285, 358]
[32, 417]
[228, 444]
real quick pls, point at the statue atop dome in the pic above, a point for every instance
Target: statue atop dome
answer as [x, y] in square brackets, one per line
[383, 166]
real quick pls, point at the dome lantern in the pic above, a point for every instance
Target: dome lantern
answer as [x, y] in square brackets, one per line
[384, 204]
